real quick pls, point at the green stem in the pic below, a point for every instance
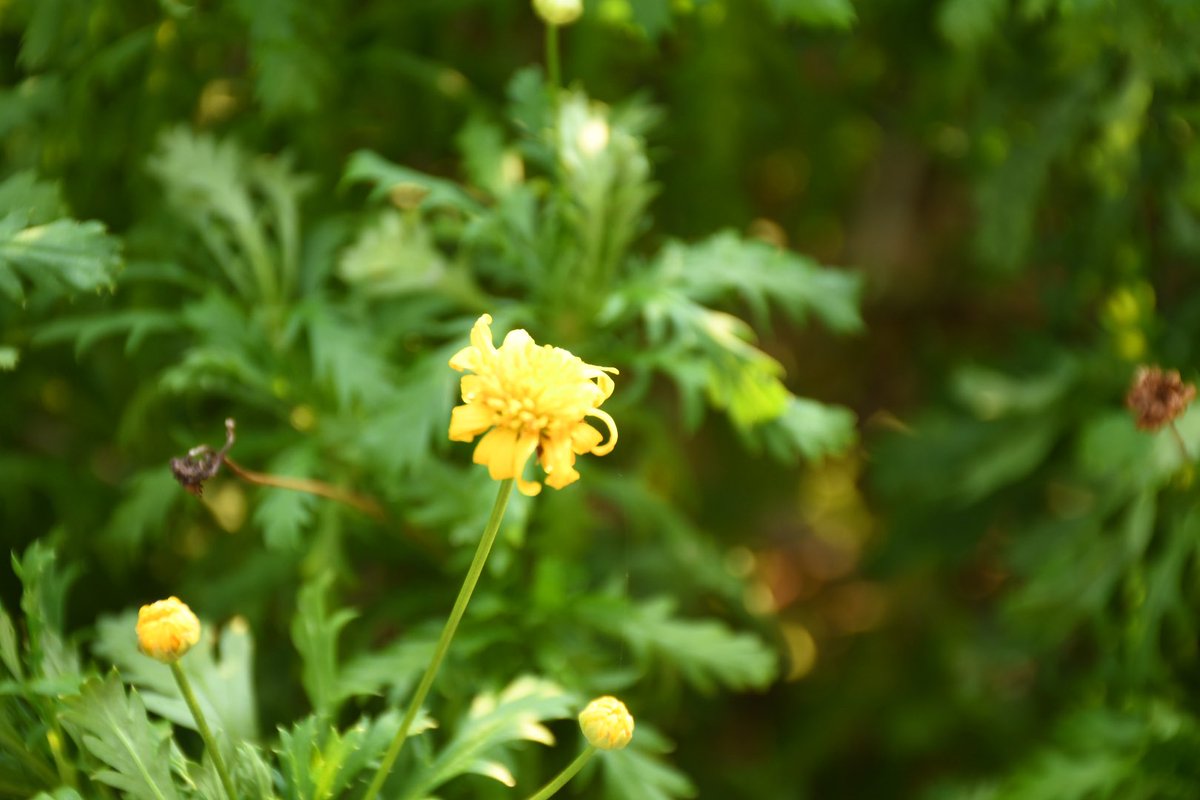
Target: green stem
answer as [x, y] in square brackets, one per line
[443, 645]
[571, 771]
[19, 750]
[553, 70]
[185, 687]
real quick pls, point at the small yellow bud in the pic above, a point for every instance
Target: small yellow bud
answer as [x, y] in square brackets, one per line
[558, 12]
[167, 629]
[606, 723]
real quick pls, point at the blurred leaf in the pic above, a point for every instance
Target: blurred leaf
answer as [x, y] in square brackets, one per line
[494, 723]
[395, 255]
[706, 652]
[144, 512]
[808, 429]
[284, 514]
[315, 632]
[114, 728]
[817, 13]
[640, 771]
[224, 686]
[63, 256]
[288, 39]
[319, 762]
[428, 192]
[969, 23]
[10, 646]
[9, 358]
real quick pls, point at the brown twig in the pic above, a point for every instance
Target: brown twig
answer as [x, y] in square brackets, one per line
[367, 505]
[203, 463]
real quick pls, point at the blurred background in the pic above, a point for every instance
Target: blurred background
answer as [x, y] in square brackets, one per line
[987, 588]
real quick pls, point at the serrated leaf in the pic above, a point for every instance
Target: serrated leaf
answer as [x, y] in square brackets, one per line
[319, 762]
[85, 331]
[640, 771]
[429, 192]
[726, 265]
[143, 513]
[808, 429]
[224, 686]
[43, 602]
[395, 255]
[347, 361]
[113, 726]
[494, 723]
[315, 632]
[705, 652]
[287, 47]
[817, 13]
[25, 193]
[63, 256]
[284, 514]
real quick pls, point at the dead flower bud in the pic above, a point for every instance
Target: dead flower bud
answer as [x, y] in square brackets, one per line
[1158, 397]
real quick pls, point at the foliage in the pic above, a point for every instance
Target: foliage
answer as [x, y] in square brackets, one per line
[883, 530]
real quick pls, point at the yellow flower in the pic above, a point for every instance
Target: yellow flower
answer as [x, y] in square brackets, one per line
[606, 723]
[529, 399]
[558, 12]
[167, 629]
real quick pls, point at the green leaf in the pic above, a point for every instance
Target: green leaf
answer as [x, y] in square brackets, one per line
[493, 724]
[393, 256]
[726, 265]
[808, 429]
[315, 632]
[319, 762]
[485, 155]
[640, 771]
[289, 41]
[43, 602]
[145, 510]
[10, 646]
[347, 360]
[816, 13]
[61, 257]
[969, 23]
[283, 514]
[40, 201]
[9, 358]
[137, 324]
[705, 652]
[224, 686]
[427, 191]
[113, 726]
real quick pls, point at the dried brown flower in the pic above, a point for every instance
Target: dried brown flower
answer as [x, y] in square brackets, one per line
[1158, 397]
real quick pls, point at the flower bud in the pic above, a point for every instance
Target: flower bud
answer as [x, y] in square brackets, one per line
[558, 12]
[167, 629]
[606, 723]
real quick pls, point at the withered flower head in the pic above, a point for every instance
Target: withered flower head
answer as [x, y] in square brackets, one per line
[1158, 397]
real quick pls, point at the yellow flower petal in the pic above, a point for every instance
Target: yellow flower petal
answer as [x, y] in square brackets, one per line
[467, 422]
[525, 398]
[495, 451]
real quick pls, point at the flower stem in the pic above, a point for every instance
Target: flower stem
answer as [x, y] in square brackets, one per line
[553, 70]
[185, 687]
[367, 505]
[443, 645]
[569, 772]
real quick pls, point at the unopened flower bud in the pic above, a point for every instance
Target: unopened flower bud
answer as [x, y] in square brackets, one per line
[558, 12]
[167, 629]
[606, 723]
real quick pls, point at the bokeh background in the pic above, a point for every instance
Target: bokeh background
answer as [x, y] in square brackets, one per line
[990, 591]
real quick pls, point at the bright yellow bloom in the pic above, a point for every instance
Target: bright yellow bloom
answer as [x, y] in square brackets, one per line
[167, 629]
[606, 723]
[558, 12]
[529, 399]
